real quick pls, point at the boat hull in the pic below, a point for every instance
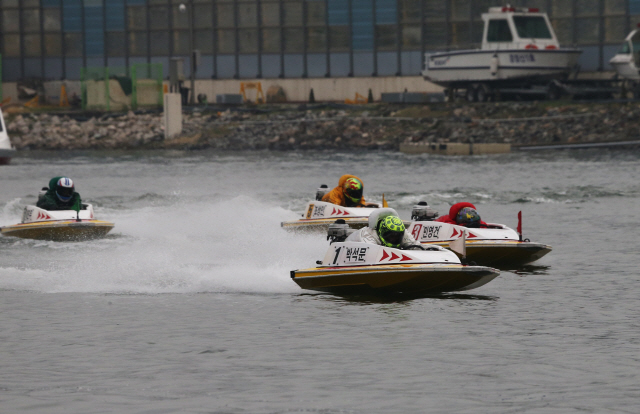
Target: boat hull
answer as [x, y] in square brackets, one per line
[497, 245]
[499, 253]
[449, 68]
[66, 230]
[405, 278]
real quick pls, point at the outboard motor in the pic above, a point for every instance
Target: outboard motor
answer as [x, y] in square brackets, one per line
[339, 231]
[320, 192]
[42, 192]
[422, 212]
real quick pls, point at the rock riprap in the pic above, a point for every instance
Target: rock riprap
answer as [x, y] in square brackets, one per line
[375, 126]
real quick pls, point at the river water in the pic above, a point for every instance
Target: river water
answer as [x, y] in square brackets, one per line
[187, 306]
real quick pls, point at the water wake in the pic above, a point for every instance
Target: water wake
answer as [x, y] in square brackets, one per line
[234, 245]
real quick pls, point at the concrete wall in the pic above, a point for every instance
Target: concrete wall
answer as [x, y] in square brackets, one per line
[296, 90]
[324, 89]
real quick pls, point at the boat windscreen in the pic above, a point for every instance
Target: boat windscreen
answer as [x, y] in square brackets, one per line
[532, 27]
[625, 49]
[499, 31]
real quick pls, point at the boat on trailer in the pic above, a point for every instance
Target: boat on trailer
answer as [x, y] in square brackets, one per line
[58, 225]
[518, 46]
[627, 62]
[6, 149]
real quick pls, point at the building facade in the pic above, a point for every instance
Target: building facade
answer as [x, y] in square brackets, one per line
[54, 39]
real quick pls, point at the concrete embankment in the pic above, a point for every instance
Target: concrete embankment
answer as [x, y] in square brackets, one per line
[333, 126]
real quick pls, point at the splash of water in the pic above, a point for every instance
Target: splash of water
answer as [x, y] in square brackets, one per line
[233, 245]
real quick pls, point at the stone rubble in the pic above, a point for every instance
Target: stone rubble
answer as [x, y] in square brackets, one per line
[374, 126]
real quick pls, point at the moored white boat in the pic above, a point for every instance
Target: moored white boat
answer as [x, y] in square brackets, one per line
[6, 149]
[59, 225]
[360, 267]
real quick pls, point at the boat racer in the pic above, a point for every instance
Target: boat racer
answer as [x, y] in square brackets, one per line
[386, 229]
[463, 214]
[61, 195]
[348, 193]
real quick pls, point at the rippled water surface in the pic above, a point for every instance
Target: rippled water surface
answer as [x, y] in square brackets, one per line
[187, 306]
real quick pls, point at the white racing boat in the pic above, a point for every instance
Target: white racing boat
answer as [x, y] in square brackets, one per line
[59, 225]
[496, 245]
[318, 215]
[355, 267]
[6, 149]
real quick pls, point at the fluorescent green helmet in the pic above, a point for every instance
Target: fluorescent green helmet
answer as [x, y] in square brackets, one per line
[391, 231]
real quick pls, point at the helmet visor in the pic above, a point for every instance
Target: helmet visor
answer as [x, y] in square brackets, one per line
[468, 217]
[392, 238]
[65, 192]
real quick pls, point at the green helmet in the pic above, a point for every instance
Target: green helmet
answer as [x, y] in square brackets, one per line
[391, 231]
[353, 189]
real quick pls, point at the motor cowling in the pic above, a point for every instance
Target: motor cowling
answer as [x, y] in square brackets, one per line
[321, 191]
[422, 212]
[42, 192]
[339, 231]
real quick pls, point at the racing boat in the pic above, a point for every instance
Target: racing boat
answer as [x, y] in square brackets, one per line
[319, 215]
[59, 225]
[355, 266]
[496, 245]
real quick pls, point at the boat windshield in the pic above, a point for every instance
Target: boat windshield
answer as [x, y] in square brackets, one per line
[532, 27]
[499, 31]
[625, 49]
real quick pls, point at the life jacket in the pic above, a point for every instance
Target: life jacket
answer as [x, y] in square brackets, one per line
[336, 196]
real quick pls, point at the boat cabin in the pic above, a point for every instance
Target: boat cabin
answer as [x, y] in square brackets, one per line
[517, 28]
[631, 47]
[627, 61]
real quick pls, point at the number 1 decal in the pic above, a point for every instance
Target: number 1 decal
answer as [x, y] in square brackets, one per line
[335, 259]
